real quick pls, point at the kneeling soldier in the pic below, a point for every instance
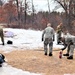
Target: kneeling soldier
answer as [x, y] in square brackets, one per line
[68, 42]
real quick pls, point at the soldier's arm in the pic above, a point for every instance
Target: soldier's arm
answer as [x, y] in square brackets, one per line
[64, 43]
[65, 46]
[43, 35]
[53, 35]
[70, 42]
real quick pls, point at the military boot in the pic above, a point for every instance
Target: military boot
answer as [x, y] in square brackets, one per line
[45, 53]
[66, 54]
[70, 57]
[50, 54]
[3, 43]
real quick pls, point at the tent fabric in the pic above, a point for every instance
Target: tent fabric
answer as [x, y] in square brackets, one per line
[8, 34]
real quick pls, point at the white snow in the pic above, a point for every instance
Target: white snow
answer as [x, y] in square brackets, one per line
[9, 70]
[22, 40]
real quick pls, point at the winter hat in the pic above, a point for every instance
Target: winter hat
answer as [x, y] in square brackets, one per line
[49, 24]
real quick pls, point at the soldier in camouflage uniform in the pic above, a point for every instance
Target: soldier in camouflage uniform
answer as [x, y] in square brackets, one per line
[48, 38]
[2, 35]
[59, 31]
[69, 43]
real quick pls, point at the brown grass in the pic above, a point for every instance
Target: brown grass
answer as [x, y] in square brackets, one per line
[36, 61]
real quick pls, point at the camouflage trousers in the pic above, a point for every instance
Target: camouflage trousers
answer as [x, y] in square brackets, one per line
[58, 37]
[70, 50]
[2, 36]
[48, 42]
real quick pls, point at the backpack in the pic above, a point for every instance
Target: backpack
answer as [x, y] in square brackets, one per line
[9, 42]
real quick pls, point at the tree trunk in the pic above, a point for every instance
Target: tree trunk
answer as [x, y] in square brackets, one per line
[18, 13]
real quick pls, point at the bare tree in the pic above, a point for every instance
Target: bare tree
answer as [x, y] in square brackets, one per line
[18, 11]
[25, 12]
[1, 3]
[32, 12]
[48, 5]
[21, 11]
[69, 8]
[48, 9]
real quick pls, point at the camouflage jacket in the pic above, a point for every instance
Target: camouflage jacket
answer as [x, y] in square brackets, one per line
[48, 32]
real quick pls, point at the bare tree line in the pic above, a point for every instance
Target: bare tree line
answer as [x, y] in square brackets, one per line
[69, 8]
[22, 7]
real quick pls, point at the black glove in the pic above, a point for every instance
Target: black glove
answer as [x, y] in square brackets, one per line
[42, 39]
[65, 45]
[63, 49]
[53, 40]
[71, 43]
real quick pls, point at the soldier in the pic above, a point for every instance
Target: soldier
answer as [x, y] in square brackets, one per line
[2, 35]
[69, 43]
[48, 38]
[59, 31]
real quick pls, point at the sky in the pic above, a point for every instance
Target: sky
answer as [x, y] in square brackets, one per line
[42, 5]
[22, 40]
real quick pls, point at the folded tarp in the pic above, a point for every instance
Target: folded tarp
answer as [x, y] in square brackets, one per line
[8, 34]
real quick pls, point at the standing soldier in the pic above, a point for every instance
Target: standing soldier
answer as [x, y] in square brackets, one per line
[59, 31]
[69, 43]
[48, 38]
[2, 35]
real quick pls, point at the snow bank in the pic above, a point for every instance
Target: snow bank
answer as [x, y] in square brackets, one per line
[9, 70]
[24, 39]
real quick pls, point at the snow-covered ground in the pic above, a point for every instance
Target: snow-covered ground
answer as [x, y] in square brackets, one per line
[22, 40]
[9, 70]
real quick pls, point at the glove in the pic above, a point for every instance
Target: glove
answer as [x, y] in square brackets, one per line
[63, 49]
[71, 43]
[42, 39]
[53, 40]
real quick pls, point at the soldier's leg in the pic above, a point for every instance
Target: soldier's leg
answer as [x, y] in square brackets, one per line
[71, 52]
[2, 37]
[68, 50]
[58, 38]
[45, 46]
[50, 48]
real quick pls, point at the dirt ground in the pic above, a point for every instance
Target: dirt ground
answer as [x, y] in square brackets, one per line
[35, 61]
